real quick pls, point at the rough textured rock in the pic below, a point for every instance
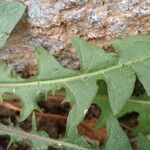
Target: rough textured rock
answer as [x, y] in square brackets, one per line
[52, 23]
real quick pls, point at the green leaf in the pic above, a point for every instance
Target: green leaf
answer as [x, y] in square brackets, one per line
[143, 96]
[36, 143]
[10, 14]
[134, 57]
[140, 105]
[54, 69]
[143, 143]
[119, 71]
[39, 139]
[81, 86]
[83, 99]
[117, 139]
[103, 103]
[92, 57]
[76, 139]
[120, 83]
[54, 78]
[135, 52]
[40, 144]
[28, 98]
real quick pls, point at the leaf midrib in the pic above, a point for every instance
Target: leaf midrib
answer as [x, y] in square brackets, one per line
[67, 79]
[31, 136]
[131, 100]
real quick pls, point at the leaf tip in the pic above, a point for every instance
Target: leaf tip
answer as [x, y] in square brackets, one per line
[39, 49]
[115, 44]
[77, 40]
[116, 111]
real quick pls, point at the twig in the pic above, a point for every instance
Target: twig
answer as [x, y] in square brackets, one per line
[10, 106]
[40, 114]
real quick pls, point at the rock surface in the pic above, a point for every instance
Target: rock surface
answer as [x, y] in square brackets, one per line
[52, 23]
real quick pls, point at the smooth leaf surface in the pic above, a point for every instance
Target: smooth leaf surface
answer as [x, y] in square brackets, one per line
[117, 138]
[135, 52]
[122, 82]
[140, 105]
[143, 143]
[54, 69]
[92, 57]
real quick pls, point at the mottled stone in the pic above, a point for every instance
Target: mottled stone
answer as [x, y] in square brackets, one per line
[75, 15]
[117, 25]
[52, 23]
[40, 14]
[127, 5]
[142, 10]
[97, 17]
